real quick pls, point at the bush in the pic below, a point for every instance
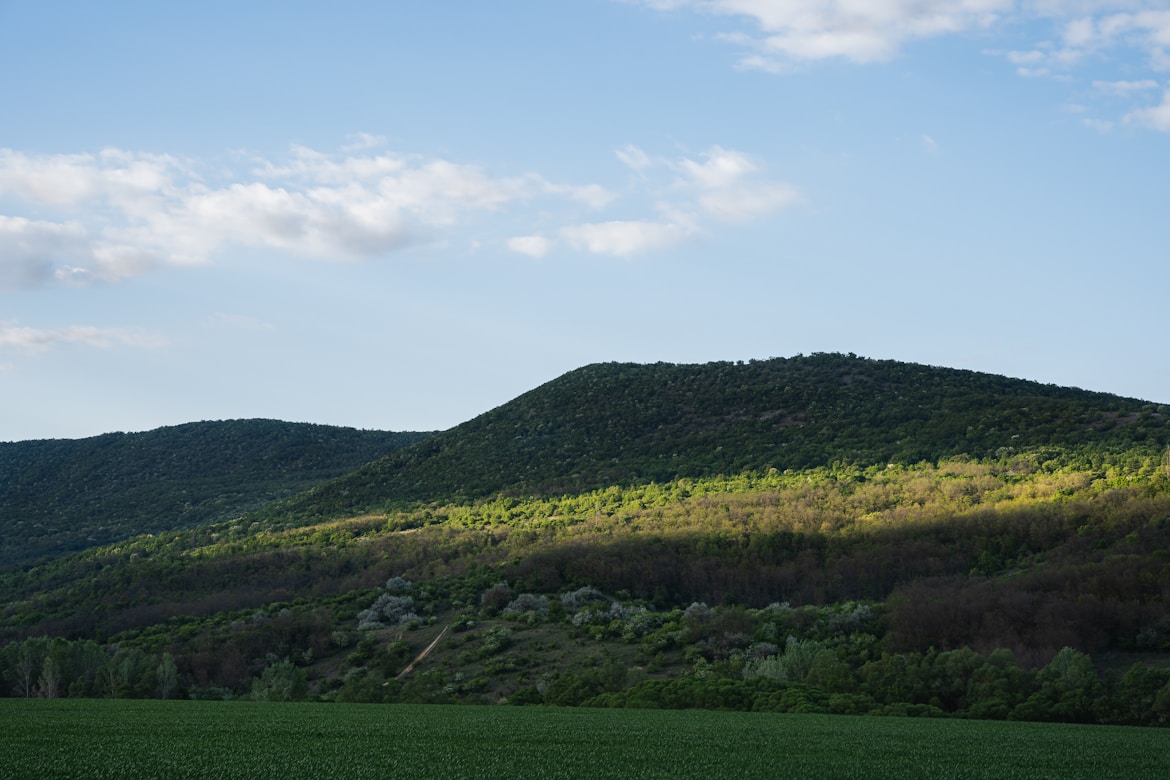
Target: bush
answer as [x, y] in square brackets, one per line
[282, 681]
[388, 611]
[527, 602]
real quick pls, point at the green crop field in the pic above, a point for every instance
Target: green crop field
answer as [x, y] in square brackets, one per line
[132, 739]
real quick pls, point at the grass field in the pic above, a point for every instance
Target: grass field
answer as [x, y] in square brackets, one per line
[140, 739]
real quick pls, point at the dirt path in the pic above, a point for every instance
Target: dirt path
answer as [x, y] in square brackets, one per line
[410, 667]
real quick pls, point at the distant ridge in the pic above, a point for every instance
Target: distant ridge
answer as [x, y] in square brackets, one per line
[61, 495]
[621, 423]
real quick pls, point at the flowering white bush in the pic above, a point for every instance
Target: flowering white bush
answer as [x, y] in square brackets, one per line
[526, 602]
[575, 599]
[388, 611]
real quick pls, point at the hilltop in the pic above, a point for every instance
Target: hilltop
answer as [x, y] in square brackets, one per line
[626, 424]
[61, 495]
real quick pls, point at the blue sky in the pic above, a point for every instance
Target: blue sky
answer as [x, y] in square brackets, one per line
[401, 215]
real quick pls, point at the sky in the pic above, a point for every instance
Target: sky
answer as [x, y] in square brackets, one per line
[398, 216]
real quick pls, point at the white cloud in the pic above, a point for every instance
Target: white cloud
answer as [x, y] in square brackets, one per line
[1024, 58]
[1154, 117]
[120, 213]
[865, 31]
[30, 250]
[533, 246]
[1100, 125]
[36, 252]
[869, 31]
[1124, 88]
[362, 141]
[723, 168]
[37, 340]
[593, 196]
[634, 158]
[1149, 29]
[721, 184]
[778, 36]
[727, 187]
[766, 64]
[748, 202]
[625, 238]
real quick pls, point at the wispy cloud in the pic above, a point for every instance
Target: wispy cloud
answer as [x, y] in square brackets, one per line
[533, 246]
[1155, 117]
[14, 336]
[781, 36]
[805, 30]
[721, 185]
[624, 238]
[1124, 88]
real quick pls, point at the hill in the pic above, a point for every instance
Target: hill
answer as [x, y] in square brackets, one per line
[625, 424]
[814, 534]
[62, 495]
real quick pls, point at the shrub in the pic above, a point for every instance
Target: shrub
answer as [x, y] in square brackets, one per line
[526, 602]
[282, 681]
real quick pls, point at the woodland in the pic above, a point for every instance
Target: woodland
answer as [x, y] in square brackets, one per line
[823, 533]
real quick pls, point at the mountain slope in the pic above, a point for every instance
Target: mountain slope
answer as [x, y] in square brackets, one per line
[626, 424]
[63, 495]
[1027, 520]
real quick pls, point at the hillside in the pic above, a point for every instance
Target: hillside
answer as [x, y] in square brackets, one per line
[62, 495]
[815, 534]
[624, 424]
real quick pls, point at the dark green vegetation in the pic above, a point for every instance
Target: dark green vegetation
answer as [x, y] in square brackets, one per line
[822, 534]
[242, 740]
[623, 424]
[59, 495]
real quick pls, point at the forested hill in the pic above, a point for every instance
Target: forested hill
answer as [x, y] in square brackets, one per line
[612, 424]
[68, 494]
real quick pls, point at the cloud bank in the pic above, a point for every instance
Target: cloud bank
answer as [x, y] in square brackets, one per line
[158, 211]
[115, 214]
[101, 218]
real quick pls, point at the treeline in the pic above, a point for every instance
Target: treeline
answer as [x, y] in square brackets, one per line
[217, 660]
[958, 683]
[827, 659]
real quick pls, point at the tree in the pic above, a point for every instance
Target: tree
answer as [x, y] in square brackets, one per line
[282, 681]
[49, 684]
[168, 676]
[28, 659]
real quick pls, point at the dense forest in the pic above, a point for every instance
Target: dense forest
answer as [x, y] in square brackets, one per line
[823, 533]
[622, 424]
[61, 495]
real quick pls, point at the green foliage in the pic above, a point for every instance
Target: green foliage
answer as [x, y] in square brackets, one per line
[561, 538]
[62, 495]
[626, 424]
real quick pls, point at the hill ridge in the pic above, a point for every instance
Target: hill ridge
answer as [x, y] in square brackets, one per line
[58, 495]
[625, 423]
